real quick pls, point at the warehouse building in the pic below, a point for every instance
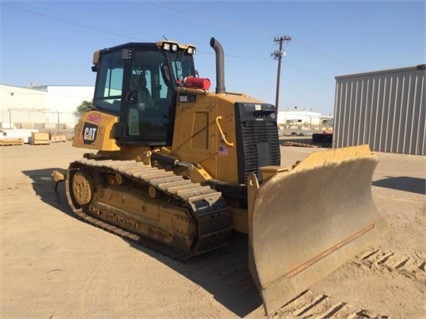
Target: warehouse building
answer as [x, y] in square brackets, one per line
[385, 109]
[41, 107]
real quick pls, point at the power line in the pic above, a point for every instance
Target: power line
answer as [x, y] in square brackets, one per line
[68, 22]
[85, 17]
[317, 75]
[325, 56]
[214, 19]
[189, 12]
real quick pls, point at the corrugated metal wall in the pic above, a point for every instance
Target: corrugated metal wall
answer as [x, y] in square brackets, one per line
[385, 109]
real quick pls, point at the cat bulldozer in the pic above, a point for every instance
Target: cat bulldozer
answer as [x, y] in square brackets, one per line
[178, 168]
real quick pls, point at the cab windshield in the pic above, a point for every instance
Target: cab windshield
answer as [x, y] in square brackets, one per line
[139, 84]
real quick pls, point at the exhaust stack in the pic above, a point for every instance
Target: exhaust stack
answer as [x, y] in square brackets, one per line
[220, 65]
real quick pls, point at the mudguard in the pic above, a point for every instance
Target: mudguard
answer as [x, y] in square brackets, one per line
[307, 221]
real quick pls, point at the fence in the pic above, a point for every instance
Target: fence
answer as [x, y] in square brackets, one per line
[41, 119]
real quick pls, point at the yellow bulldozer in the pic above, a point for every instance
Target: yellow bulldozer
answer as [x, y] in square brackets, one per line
[178, 169]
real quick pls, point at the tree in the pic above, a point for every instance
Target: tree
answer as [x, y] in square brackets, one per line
[83, 108]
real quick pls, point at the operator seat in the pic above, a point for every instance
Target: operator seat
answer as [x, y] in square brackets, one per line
[144, 100]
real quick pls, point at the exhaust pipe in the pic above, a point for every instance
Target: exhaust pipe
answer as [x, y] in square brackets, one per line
[220, 65]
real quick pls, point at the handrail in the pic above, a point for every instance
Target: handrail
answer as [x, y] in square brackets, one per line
[221, 132]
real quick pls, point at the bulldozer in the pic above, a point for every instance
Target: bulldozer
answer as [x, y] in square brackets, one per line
[178, 168]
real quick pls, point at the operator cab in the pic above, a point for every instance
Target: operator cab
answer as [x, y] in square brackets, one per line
[137, 82]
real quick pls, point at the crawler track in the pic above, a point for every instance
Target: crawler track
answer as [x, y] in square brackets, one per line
[208, 209]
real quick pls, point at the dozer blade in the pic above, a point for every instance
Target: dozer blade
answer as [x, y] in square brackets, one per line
[307, 221]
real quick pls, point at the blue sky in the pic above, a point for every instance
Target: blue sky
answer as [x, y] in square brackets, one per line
[52, 42]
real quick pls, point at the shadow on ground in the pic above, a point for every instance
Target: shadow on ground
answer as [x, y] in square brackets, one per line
[223, 273]
[403, 183]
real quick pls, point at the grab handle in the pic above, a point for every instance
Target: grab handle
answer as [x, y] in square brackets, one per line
[222, 135]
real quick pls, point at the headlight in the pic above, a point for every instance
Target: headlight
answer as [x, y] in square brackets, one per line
[190, 50]
[172, 46]
[166, 46]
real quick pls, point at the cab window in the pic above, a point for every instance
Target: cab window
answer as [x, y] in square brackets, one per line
[110, 82]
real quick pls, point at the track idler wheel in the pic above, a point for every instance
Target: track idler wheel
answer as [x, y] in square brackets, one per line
[81, 188]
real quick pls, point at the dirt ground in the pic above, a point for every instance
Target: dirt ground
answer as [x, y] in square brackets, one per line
[55, 266]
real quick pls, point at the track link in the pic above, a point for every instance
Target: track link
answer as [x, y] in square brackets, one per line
[208, 209]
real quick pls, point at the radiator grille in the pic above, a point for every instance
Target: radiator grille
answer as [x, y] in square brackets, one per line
[260, 146]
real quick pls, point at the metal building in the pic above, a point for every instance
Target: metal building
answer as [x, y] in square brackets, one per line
[385, 109]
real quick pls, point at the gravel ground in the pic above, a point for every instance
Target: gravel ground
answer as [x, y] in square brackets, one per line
[55, 266]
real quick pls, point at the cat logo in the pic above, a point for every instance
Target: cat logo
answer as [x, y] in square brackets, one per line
[89, 133]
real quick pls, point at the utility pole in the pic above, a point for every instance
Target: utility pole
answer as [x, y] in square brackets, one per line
[278, 54]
